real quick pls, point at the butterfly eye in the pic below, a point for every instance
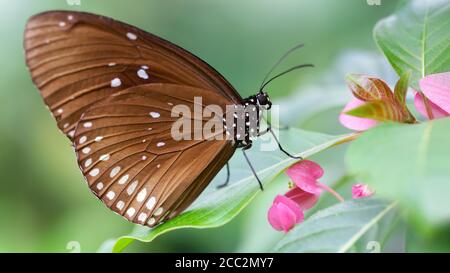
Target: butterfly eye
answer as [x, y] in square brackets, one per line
[263, 100]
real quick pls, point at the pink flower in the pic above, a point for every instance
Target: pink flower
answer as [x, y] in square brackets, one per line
[355, 123]
[305, 175]
[436, 87]
[303, 199]
[287, 210]
[284, 214]
[360, 191]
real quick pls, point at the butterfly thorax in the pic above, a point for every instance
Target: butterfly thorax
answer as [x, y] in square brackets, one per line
[243, 122]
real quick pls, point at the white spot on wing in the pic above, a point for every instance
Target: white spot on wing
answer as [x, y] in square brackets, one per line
[151, 202]
[120, 205]
[116, 82]
[71, 133]
[99, 185]
[114, 171]
[87, 124]
[132, 187]
[111, 64]
[97, 139]
[62, 24]
[155, 114]
[141, 195]
[110, 195]
[142, 74]
[104, 157]
[160, 144]
[82, 139]
[88, 162]
[131, 211]
[151, 221]
[94, 172]
[159, 211]
[142, 217]
[123, 179]
[131, 36]
[70, 17]
[86, 150]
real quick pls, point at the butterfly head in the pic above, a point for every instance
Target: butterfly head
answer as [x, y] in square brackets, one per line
[264, 100]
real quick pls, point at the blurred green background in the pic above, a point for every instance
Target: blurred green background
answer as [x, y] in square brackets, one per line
[44, 201]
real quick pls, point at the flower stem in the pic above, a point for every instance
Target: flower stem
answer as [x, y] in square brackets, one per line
[330, 190]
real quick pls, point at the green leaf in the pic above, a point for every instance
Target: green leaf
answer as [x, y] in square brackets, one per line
[400, 92]
[439, 241]
[409, 163]
[417, 38]
[378, 238]
[380, 233]
[217, 207]
[401, 88]
[378, 110]
[337, 228]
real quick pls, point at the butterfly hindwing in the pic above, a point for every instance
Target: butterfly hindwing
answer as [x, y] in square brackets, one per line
[132, 162]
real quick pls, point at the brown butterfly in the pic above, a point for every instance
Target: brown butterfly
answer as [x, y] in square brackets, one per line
[111, 87]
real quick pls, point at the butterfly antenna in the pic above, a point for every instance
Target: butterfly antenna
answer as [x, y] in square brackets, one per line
[285, 72]
[280, 60]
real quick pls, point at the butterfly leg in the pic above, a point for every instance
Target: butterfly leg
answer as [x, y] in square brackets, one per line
[279, 144]
[269, 129]
[264, 132]
[251, 166]
[228, 177]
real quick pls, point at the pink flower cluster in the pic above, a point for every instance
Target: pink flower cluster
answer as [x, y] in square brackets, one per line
[288, 210]
[436, 88]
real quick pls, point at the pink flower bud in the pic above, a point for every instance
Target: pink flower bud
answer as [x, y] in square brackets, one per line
[360, 191]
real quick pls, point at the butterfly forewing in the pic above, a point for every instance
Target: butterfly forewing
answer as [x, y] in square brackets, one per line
[131, 161]
[77, 59]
